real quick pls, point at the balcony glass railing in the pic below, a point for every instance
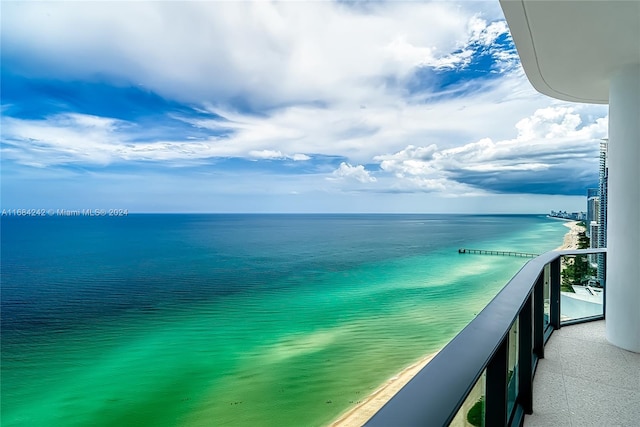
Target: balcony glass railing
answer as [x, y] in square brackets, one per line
[472, 411]
[581, 293]
[484, 376]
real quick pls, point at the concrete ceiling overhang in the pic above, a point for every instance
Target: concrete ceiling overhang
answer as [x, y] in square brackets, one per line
[570, 48]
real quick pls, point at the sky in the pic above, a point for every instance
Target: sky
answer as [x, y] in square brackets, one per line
[309, 106]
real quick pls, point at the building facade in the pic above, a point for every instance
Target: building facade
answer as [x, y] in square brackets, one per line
[603, 179]
[593, 207]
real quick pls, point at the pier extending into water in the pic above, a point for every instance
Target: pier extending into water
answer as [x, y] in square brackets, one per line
[503, 253]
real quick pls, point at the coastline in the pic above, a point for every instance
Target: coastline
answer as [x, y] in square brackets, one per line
[357, 415]
[571, 238]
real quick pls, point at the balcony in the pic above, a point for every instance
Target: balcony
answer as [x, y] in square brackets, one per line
[585, 381]
[485, 375]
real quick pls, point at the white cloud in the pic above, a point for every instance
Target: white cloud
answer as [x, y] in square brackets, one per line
[65, 138]
[486, 33]
[91, 140]
[314, 79]
[548, 138]
[482, 33]
[359, 173]
[551, 137]
[277, 155]
[557, 123]
[319, 63]
[271, 53]
[298, 157]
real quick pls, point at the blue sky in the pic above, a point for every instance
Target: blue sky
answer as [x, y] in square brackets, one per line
[282, 107]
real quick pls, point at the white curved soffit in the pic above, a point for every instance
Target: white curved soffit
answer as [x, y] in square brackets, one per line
[570, 48]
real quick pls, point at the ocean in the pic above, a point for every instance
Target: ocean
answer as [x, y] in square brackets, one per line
[235, 320]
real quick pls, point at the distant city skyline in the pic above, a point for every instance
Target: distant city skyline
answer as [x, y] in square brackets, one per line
[283, 107]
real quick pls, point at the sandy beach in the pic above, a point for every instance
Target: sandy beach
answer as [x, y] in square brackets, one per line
[359, 414]
[571, 238]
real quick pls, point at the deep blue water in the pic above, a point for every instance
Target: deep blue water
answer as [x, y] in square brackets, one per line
[90, 267]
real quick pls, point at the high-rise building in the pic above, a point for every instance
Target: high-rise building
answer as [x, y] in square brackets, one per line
[603, 178]
[593, 230]
[593, 205]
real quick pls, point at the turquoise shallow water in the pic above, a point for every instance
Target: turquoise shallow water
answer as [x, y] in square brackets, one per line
[235, 320]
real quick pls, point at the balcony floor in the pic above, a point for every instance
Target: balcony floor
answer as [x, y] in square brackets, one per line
[585, 381]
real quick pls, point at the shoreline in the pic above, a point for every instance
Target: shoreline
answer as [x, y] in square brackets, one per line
[359, 414]
[571, 238]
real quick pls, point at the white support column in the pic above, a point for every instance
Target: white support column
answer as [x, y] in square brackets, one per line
[623, 218]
